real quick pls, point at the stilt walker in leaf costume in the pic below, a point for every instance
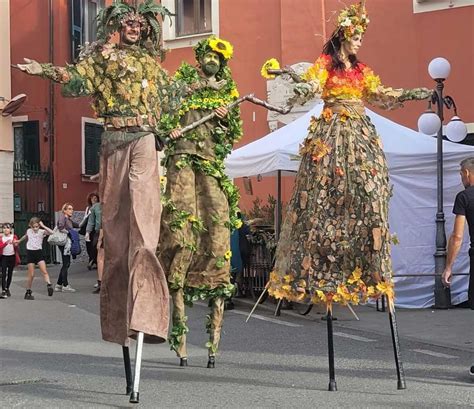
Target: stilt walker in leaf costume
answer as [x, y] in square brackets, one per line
[334, 245]
[129, 91]
[200, 203]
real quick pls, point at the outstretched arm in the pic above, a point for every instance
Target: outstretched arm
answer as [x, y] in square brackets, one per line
[389, 98]
[75, 78]
[57, 74]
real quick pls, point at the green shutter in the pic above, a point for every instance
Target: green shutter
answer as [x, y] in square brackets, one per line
[31, 148]
[92, 140]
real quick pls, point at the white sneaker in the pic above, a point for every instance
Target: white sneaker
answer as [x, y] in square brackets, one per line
[68, 289]
[58, 288]
[96, 285]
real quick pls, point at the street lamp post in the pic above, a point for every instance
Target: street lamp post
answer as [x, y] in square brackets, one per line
[431, 123]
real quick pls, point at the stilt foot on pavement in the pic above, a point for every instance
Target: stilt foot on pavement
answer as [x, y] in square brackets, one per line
[134, 397]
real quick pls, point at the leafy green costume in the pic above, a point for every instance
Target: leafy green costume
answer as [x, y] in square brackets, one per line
[200, 203]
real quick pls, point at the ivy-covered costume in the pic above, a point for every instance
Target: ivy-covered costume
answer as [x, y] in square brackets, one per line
[335, 241]
[129, 89]
[200, 204]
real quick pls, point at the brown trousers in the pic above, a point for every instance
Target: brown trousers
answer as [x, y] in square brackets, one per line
[134, 294]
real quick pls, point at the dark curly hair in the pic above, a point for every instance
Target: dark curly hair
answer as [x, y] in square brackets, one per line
[333, 48]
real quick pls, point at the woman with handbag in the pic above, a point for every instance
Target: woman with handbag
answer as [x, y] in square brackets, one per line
[92, 199]
[65, 225]
[34, 250]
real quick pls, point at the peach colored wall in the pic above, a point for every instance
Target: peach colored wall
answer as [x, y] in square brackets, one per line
[398, 46]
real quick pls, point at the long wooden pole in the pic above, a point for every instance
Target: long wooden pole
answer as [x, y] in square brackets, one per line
[250, 98]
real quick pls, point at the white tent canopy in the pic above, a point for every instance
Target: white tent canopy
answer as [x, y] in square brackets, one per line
[412, 159]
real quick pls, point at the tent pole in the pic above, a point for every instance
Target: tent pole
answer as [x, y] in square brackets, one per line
[278, 207]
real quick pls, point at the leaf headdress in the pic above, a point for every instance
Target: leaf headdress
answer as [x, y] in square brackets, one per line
[148, 14]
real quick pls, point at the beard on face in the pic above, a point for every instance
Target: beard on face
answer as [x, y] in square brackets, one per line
[126, 40]
[210, 68]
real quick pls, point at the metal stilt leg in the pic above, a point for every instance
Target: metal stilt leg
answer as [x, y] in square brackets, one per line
[134, 396]
[128, 369]
[278, 308]
[332, 374]
[401, 384]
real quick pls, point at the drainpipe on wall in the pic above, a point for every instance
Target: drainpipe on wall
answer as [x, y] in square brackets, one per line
[51, 120]
[51, 107]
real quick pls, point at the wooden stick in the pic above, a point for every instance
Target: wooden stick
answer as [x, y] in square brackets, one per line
[353, 312]
[250, 98]
[258, 301]
[294, 76]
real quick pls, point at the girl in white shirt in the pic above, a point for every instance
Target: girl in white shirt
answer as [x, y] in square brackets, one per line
[34, 250]
[9, 256]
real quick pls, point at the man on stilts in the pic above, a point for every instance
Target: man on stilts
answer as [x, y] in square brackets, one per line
[200, 203]
[129, 89]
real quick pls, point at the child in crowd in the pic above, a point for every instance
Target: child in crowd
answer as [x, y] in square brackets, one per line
[34, 249]
[10, 258]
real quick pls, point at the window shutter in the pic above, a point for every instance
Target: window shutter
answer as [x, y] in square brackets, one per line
[92, 140]
[76, 7]
[31, 148]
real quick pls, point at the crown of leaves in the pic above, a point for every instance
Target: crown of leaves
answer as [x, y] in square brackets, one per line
[353, 20]
[214, 44]
[111, 19]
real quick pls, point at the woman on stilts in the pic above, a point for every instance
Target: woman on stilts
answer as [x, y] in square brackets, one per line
[335, 242]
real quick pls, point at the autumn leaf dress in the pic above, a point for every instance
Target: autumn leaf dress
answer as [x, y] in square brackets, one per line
[335, 241]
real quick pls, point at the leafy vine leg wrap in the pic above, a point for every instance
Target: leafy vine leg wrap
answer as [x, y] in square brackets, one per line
[179, 323]
[214, 326]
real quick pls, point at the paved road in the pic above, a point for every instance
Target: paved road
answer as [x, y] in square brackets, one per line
[52, 357]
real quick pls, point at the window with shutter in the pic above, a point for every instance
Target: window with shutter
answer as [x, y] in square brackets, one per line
[92, 140]
[83, 23]
[27, 149]
[193, 17]
[76, 27]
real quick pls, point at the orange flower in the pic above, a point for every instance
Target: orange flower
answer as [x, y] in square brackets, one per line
[344, 115]
[327, 114]
[321, 149]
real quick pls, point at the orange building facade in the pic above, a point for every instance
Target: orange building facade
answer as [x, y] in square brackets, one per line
[398, 45]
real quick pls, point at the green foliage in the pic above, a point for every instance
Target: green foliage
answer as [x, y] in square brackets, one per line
[265, 212]
[205, 292]
[177, 331]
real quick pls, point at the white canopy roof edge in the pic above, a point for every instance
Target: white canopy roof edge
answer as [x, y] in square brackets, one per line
[412, 159]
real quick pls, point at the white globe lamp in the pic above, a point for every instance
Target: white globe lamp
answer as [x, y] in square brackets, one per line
[456, 130]
[439, 68]
[429, 123]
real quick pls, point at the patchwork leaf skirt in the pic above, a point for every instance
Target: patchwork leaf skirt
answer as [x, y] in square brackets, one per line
[335, 243]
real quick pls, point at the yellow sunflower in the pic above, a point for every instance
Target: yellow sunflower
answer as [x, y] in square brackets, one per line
[271, 64]
[228, 255]
[222, 47]
[234, 93]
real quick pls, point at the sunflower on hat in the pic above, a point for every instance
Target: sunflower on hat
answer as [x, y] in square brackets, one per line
[218, 45]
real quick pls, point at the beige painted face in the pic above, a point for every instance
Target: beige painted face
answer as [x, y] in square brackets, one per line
[351, 46]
